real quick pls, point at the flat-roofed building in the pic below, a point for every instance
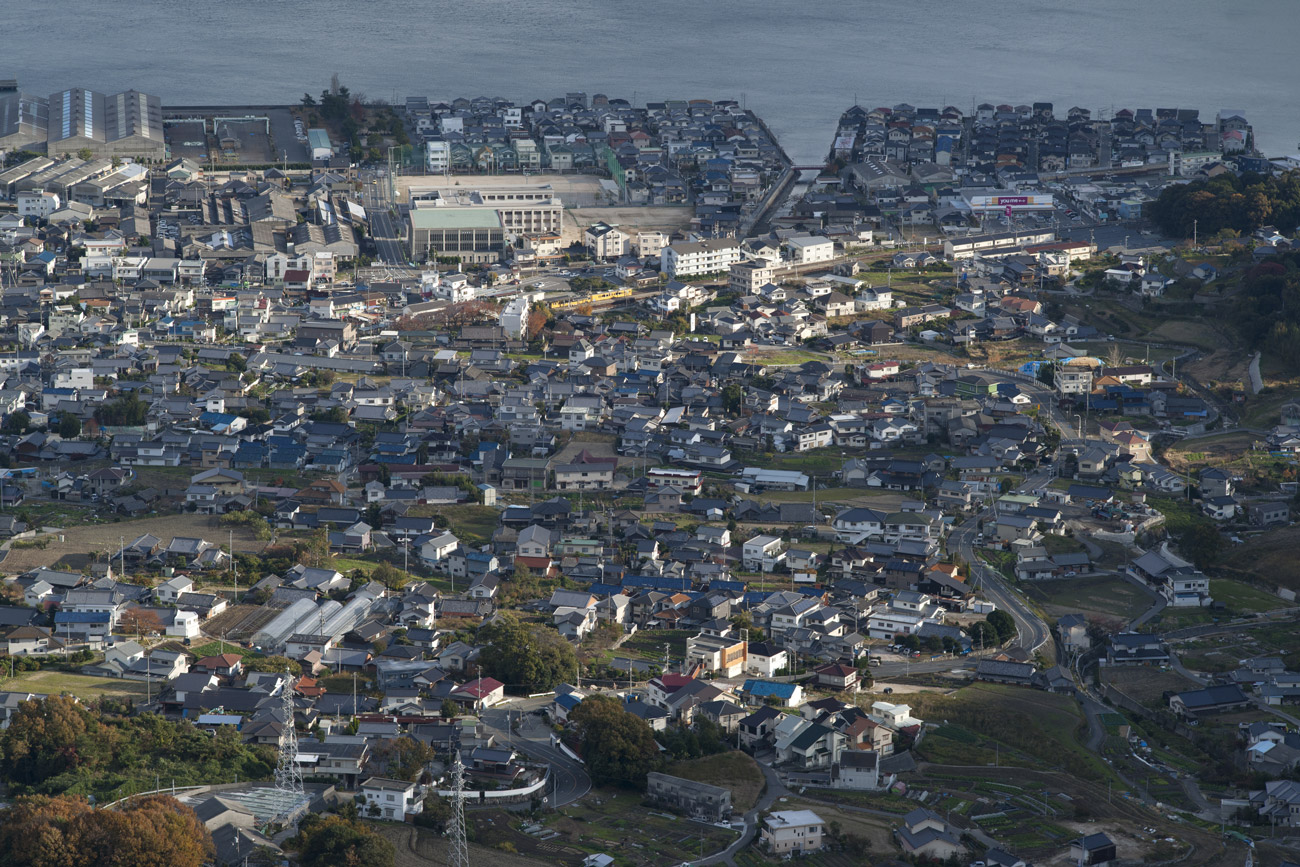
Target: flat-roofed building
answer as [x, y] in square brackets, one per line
[521, 209]
[693, 258]
[699, 800]
[472, 235]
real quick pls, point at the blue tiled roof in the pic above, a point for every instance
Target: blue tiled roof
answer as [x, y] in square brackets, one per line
[81, 617]
[766, 688]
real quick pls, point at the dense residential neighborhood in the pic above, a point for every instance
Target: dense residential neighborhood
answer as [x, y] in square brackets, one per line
[866, 512]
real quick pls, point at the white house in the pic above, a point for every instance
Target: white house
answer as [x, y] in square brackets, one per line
[761, 553]
[790, 831]
[185, 624]
[391, 799]
[809, 249]
[171, 589]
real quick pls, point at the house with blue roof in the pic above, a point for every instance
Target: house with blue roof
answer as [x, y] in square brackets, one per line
[223, 422]
[563, 704]
[93, 626]
[770, 692]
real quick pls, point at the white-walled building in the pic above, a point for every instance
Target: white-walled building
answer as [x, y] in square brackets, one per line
[38, 204]
[809, 249]
[393, 799]
[788, 831]
[693, 258]
[514, 316]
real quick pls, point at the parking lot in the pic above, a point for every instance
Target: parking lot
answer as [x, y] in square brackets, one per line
[284, 138]
[188, 139]
[244, 141]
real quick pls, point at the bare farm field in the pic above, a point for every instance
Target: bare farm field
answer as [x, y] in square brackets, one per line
[1147, 685]
[79, 544]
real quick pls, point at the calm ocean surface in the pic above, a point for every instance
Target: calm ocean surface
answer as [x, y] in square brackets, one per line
[798, 64]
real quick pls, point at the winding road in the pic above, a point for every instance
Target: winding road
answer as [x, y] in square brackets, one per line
[569, 779]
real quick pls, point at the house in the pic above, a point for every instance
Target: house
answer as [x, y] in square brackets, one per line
[1073, 630]
[838, 677]
[925, 834]
[1268, 514]
[783, 694]
[761, 553]
[1092, 849]
[787, 832]
[1278, 802]
[765, 659]
[392, 799]
[1211, 699]
[857, 770]
[760, 726]
[697, 800]
[29, 641]
[480, 693]
[1134, 648]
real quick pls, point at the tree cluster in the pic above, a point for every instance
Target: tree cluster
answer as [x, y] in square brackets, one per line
[157, 831]
[54, 744]
[329, 841]
[704, 738]
[1238, 203]
[127, 411]
[993, 630]
[526, 655]
[1267, 312]
[618, 748]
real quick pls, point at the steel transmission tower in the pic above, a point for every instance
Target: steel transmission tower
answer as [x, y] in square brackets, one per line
[288, 776]
[457, 845]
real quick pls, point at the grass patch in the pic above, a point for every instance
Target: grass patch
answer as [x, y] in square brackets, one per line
[470, 523]
[1041, 726]
[82, 686]
[649, 643]
[1107, 597]
[735, 771]
[783, 356]
[1243, 598]
[216, 648]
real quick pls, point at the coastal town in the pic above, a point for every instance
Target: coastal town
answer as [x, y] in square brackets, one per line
[585, 482]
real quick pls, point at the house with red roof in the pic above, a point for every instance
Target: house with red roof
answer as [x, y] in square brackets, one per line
[480, 693]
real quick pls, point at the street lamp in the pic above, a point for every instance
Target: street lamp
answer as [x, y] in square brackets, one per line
[1080, 418]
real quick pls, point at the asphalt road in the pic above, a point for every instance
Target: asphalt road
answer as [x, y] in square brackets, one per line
[1031, 631]
[569, 780]
[383, 231]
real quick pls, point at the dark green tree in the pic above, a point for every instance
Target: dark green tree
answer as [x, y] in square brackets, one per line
[1004, 625]
[617, 747]
[69, 426]
[333, 840]
[526, 655]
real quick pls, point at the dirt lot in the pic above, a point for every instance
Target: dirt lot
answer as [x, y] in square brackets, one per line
[417, 847]
[1129, 845]
[1224, 365]
[1147, 685]
[1210, 451]
[1108, 598]
[81, 543]
[1270, 556]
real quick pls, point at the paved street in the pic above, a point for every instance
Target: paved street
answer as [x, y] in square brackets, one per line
[384, 231]
[570, 780]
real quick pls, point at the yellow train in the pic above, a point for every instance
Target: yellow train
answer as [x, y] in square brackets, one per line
[593, 299]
